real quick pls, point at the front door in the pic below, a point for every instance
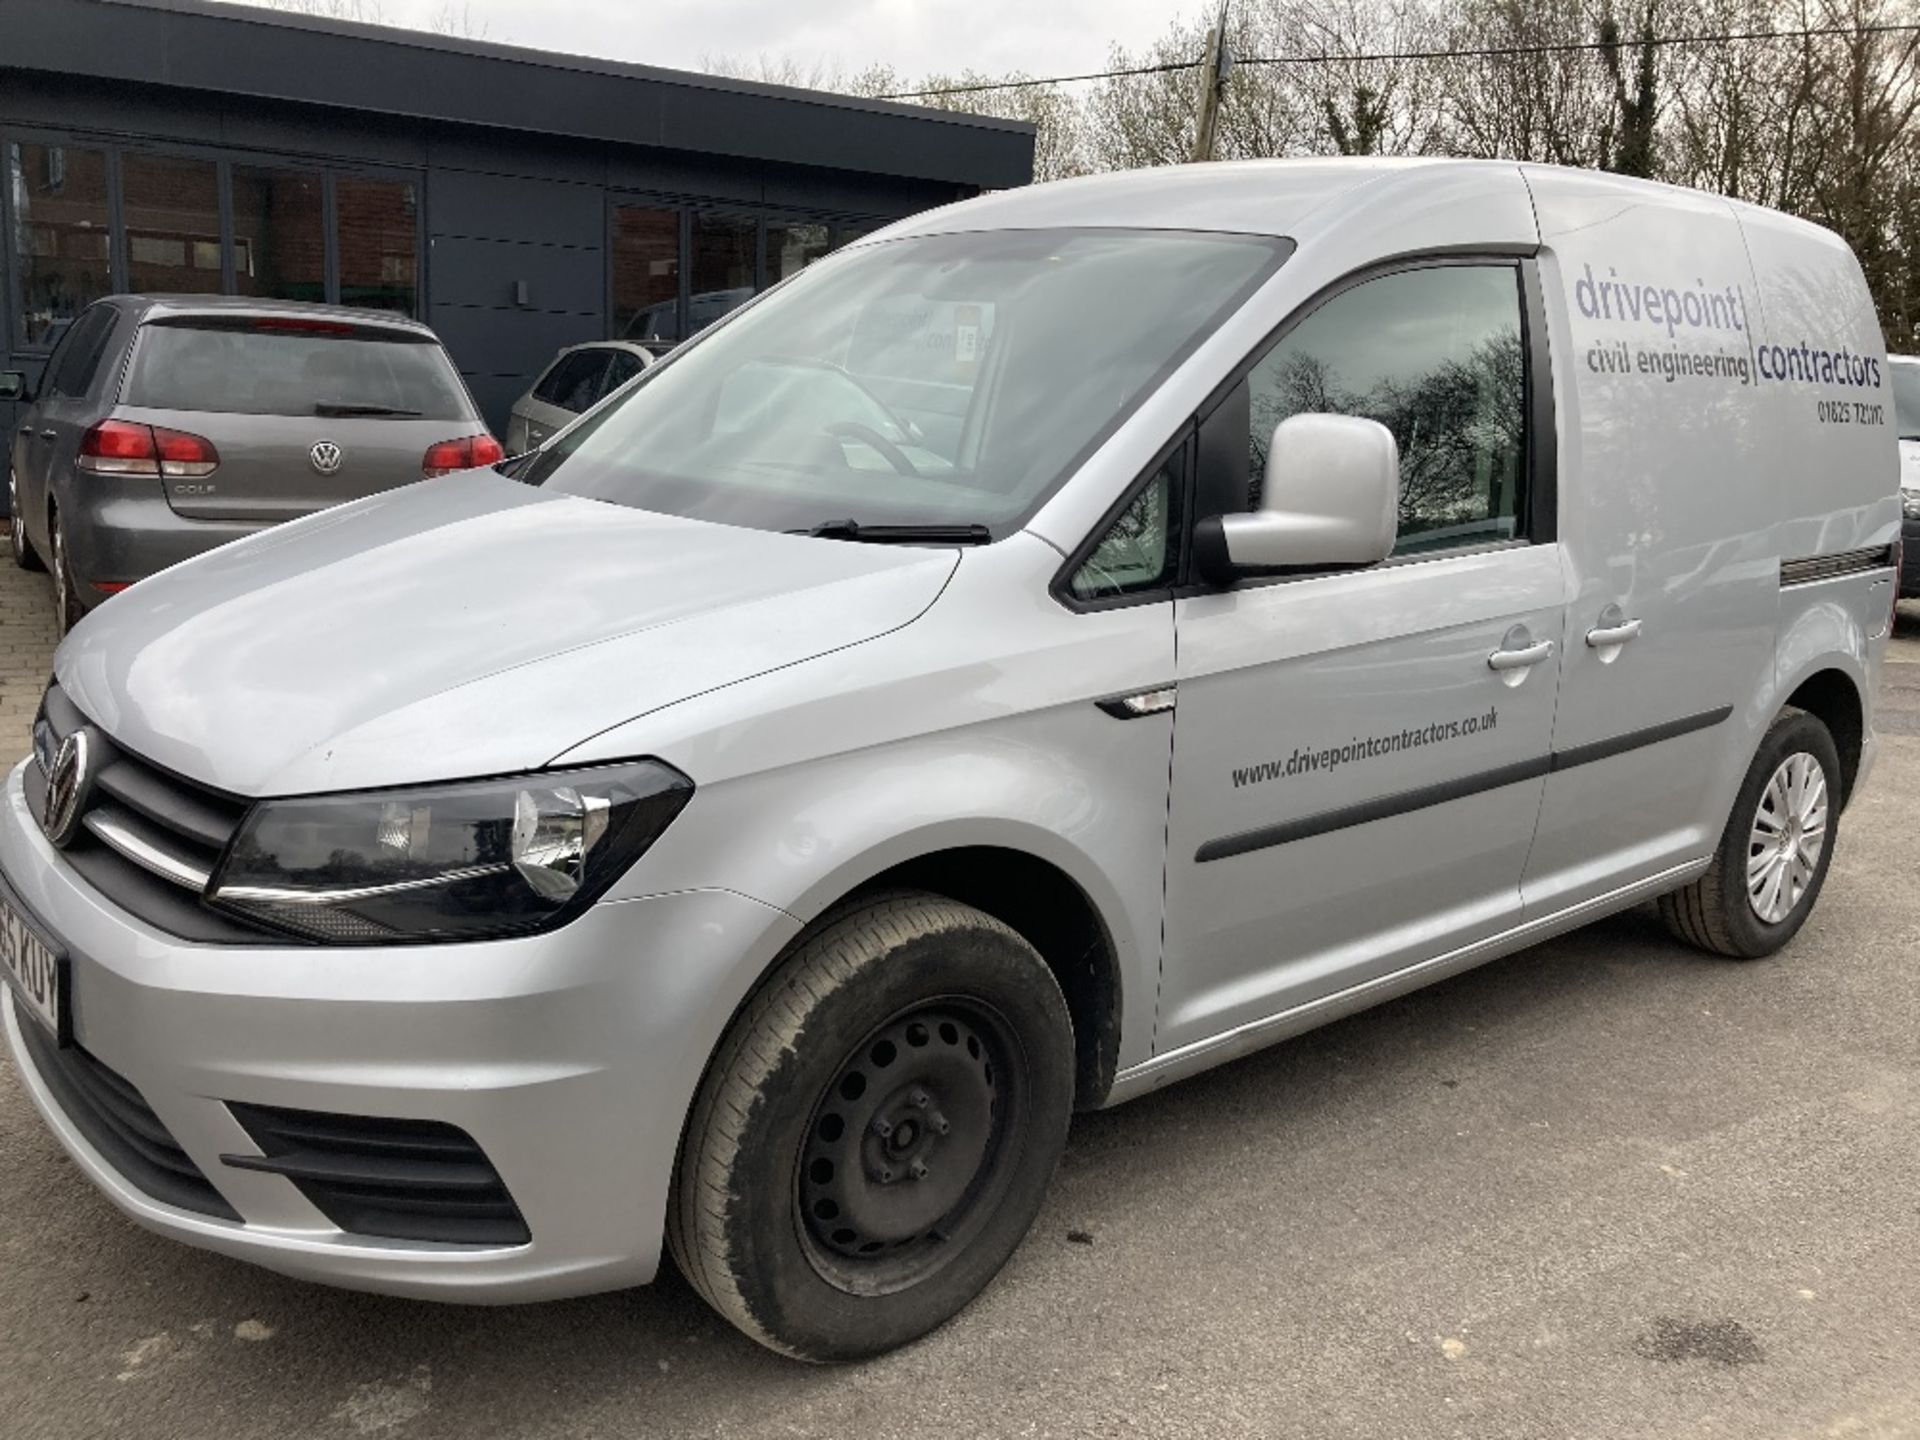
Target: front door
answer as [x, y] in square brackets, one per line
[1358, 757]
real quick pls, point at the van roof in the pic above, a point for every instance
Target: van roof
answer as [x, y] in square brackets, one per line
[1255, 197]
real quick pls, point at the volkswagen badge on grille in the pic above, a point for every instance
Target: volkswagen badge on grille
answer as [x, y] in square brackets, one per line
[326, 457]
[67, 785]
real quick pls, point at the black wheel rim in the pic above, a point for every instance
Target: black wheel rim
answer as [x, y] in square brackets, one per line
[16, 537]
[911, 1146]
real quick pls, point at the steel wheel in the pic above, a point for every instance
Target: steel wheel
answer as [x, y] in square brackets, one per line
[1789, 833]
[904, 1158]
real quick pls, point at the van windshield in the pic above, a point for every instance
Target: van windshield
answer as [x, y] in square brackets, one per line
[1906, 397]
[937, 380]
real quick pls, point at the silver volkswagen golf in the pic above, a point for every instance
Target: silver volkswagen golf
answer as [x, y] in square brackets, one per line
[1039, 652]
[165, 426]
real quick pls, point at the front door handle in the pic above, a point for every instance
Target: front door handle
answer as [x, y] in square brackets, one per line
[1607, 635]
[1520, 659]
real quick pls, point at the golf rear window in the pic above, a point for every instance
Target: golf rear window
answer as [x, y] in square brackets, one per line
[243, 370]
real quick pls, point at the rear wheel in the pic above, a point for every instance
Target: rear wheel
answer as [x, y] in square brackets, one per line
[18, 545]
[67, 610]
[1774, 852]
[877, 1131]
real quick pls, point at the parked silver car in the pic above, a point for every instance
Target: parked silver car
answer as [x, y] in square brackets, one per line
[580, 377]
[166, 426]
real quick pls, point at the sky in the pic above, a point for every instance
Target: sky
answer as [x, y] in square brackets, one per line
[1044, 37]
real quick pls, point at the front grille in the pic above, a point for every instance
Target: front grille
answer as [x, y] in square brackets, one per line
[116, 1120]
[149, 839]
[399, 1179]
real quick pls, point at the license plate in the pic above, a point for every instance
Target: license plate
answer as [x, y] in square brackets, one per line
[31, 967]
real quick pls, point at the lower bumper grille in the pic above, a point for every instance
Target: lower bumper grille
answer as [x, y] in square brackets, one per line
[399, 1179]
[116, 1120]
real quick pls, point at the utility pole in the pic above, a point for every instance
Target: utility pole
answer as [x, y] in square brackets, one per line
[1213, 85]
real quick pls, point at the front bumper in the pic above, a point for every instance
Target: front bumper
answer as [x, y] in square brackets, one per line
[570, 1058]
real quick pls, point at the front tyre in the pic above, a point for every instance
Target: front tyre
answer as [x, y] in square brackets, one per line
[1774, 853]
[877, 1131]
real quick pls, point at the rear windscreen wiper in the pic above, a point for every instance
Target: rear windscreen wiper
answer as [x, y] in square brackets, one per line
[341, 408]
[901, 534]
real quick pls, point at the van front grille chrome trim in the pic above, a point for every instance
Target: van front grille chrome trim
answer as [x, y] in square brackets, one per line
[1386, 807]
[127, 836]
[1814, 568]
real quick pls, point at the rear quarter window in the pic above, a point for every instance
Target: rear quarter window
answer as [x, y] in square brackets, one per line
[239, 371]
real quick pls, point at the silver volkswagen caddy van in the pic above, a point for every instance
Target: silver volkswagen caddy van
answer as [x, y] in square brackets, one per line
[1054, 646]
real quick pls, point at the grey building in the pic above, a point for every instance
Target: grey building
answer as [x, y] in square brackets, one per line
[515, 200]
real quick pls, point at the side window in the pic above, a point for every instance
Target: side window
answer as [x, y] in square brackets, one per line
[622, 366]
[572, 384]
[74, 364]
[1141, 548]
[1436, 356]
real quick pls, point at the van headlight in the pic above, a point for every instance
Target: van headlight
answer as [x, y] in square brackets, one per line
[446, 862]
[1910, 504]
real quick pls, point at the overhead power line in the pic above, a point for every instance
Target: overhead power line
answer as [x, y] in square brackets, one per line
[1492, 52]
[1565, 47]
[1031, 84]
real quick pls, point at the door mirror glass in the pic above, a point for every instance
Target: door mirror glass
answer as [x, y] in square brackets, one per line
[1331, 499]
[13, 386]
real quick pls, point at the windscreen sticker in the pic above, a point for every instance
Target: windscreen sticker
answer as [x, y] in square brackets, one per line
[1699, 331]
[1327, 759]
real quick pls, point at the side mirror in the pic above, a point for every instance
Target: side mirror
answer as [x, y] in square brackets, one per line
[1331, 500]
[13, 386]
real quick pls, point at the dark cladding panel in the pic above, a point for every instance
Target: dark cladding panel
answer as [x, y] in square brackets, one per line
[490, 273]
[501, 207]
[500, 351]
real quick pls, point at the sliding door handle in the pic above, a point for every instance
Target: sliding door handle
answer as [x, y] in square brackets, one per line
[1520, 659]
[1607, 635]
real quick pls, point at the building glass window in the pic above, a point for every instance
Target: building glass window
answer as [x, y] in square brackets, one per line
[60, 235]
[791, 248]
[723, 267]
[646, 275]
[170, 206]
[279, 234]
[379, 244]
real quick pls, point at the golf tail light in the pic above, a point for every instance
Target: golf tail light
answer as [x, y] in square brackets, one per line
[447, 862]
[114, 447]
[184, 456]
[469, 452]
[117, 447]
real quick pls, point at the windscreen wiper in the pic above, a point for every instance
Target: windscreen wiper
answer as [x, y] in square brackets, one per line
[901, 534]
[340, 409]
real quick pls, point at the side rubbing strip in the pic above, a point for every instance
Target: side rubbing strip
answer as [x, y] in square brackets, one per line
[1635, 739]
[1827, 567]
[1407, 801]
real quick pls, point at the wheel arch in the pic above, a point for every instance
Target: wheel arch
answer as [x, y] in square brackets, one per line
[1058, 902]
[1833, 697]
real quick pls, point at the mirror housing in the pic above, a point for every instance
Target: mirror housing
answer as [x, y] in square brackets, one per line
[1331, 501]
[13, 386]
